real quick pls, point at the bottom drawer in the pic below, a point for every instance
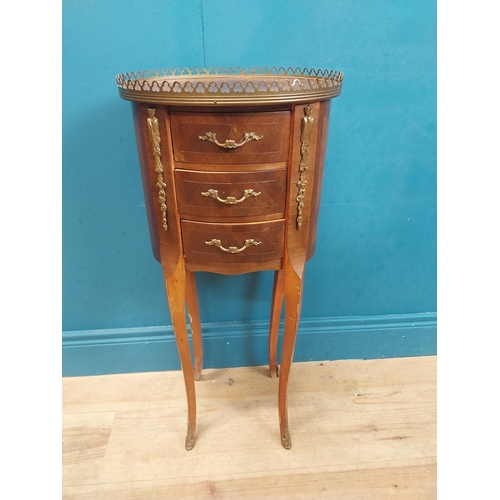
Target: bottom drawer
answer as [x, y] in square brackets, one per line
[206, 243]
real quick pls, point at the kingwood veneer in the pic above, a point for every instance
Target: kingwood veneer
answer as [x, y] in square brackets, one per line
[232, 165]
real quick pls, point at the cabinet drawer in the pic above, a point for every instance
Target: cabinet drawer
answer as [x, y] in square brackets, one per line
[230, 138]
[231, 194]
[232, 243]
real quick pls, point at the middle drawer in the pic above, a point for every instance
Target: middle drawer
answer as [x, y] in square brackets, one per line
[231, 194]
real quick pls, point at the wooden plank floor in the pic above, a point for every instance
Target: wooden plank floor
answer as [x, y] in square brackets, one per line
[360, 430]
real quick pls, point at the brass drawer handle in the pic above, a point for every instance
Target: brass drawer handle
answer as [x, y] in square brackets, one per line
[229, 143]
[231, 200]
[248, 243]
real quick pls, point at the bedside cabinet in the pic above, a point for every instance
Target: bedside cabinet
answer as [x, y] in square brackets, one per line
[232, 164]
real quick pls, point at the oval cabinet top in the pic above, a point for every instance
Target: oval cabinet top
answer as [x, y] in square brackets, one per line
[212, 86]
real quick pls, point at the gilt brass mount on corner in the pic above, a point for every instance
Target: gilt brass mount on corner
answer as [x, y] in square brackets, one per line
[154, 135]
[305, 135]
[205, 137]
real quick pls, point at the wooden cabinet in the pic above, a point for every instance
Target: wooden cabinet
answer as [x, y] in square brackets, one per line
[232, 166]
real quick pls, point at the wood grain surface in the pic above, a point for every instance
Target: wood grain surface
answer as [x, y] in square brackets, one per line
[273, 127]
[269, 236]
[361, 430]
[269, 187]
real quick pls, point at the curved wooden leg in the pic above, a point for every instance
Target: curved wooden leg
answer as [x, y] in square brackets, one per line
[194, 320]
[293, 302]
[277, 302]
[176, 292]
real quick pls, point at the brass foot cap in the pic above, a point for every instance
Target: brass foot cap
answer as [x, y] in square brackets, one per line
[189, 443]
[190, 439]
[286, 442]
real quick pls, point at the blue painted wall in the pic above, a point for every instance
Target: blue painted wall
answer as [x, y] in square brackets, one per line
[376, 247]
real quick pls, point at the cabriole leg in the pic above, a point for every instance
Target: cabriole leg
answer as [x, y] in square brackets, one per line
[293, 302]
[194, 320]
[277, 302]
[176, 292]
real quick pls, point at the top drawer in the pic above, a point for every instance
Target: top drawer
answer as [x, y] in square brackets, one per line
[230, 138]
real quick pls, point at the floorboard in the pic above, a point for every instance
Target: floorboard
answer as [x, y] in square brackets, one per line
[360, 430]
